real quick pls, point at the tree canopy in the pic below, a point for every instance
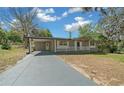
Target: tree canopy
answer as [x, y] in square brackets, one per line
[3, 36]
[41, 33]
[90, 32]
[44, 33]
[14, 36]
[113, 23]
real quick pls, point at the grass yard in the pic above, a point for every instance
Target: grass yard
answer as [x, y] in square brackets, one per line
[10, 57]
[104, 69]
[116, 57]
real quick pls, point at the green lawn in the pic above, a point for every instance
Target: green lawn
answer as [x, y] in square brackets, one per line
[10, 57]
[116, 57]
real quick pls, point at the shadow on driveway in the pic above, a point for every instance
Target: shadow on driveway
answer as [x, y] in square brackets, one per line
[46, 53]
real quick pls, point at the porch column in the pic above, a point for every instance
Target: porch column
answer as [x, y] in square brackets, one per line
[81, 45]
[54, 45]
[67, 45]
[75, 45]
[30, 50]
[89, 44]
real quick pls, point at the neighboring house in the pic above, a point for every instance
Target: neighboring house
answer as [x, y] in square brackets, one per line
[61, 44]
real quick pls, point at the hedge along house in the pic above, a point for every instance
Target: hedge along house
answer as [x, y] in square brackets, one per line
[60, 44]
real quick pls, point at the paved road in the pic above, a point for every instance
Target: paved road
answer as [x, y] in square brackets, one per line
[43, 70]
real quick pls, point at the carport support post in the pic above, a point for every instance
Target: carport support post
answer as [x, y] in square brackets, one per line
[75, 45]
[29, 45]
[54, 45]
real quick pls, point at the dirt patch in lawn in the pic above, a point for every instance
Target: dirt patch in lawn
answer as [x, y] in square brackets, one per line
[104, 71]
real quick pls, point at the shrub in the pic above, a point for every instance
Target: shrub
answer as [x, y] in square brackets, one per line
[6, 46]
[122, 50]
[103, 48]
[107, 48]
[113, 48]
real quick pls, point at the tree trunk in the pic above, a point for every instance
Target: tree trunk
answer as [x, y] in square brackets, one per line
[26, 42]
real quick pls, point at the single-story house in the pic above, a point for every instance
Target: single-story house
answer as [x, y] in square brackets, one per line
[61, 44]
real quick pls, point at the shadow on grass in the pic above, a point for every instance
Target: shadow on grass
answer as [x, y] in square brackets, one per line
[45, 53]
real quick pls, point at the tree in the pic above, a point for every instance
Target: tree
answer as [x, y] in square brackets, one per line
[3, 36]
[90, 32]
[101, 10]
[21, 19]
[85, 31]
[4, 40]
[14, 37]
[93, 34]
[45, 33]
[42, 33]
[112, 23]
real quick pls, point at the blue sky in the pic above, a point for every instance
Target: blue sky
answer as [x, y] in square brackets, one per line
[58, 27]
[60, 20]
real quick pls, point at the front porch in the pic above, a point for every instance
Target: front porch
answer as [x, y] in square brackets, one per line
[74, 45]
[61, 44]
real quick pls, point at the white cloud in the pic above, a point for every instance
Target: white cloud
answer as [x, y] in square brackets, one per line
[75, 26]
[46, 18]
[40, 11]
[44, 15]
[64, 14]
[76, 9]
[1, 23]
[46, 11]
[90, 15]
[72, 27]
[72, 10]
[58, 18]
[14, 20]
[79, 18]
[50, 10]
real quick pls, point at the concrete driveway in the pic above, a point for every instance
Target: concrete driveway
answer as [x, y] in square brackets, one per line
[43, 70]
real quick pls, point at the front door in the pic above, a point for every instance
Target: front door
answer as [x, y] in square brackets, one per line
[78, 44]
[47, 46]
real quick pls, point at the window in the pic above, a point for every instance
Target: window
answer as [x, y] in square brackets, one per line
[78, 44]
[71, 43]
[85, 43]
